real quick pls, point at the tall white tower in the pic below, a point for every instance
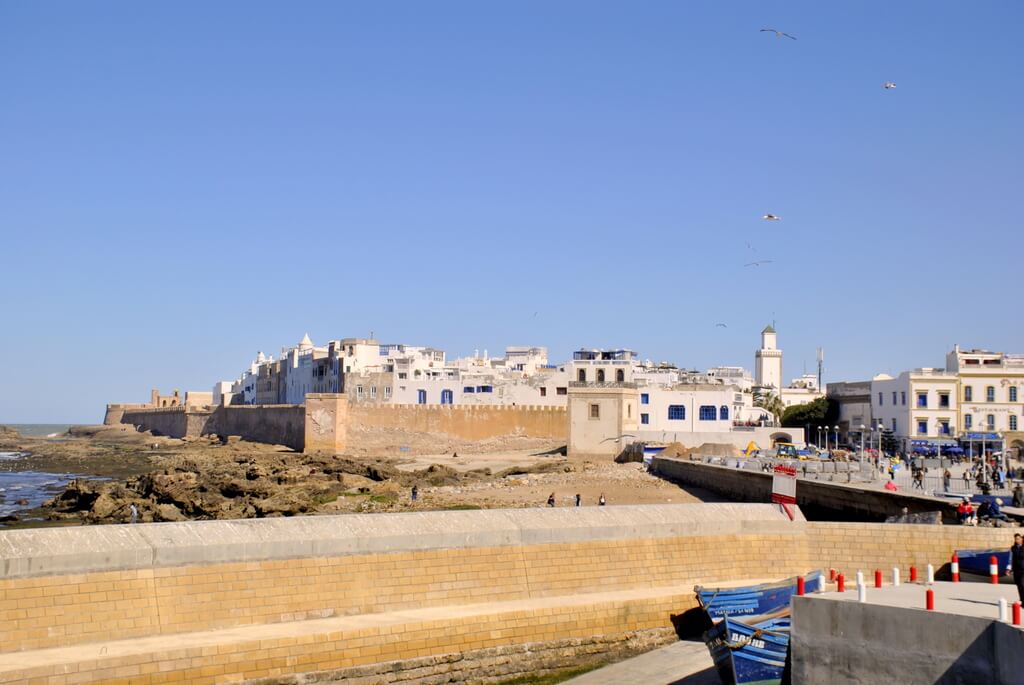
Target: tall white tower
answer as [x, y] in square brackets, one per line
[768, 361]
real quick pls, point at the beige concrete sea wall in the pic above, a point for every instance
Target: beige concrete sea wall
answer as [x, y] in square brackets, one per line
[219, 601]
[464, 422]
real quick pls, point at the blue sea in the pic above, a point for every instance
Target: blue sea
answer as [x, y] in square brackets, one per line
[30, 488]
[41, 430]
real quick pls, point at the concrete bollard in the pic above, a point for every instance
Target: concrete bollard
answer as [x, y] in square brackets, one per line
[878, 578]
[913, 574]
[993, 569]
[1016, 613]
[841, 583]
[929, 600]
[954, 567]
[862, 593]
[1002, 610]
[931, 574]
[800, 586]
[860, 577]
[895, 576]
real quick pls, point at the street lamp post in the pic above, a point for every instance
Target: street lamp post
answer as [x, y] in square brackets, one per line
[862, 442]
[819, 438]
[826, 438]
[836, 430]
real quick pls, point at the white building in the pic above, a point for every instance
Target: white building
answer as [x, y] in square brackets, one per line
[918, 406]
[991, 390]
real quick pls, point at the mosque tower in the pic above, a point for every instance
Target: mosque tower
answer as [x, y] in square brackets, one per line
[768, 361]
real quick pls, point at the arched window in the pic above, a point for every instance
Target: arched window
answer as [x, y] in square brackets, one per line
[723, 413]
[1013, 393]
[620, 376]
[581, 375]
[600, 375]
[707, 413]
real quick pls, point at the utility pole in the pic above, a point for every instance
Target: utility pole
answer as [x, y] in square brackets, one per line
[821, 365]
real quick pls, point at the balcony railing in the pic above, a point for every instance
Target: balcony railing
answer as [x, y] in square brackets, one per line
[602, 384]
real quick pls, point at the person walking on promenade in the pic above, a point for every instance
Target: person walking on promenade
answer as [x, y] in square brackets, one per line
[579, 500]
[551, 500]
[918, 480]
[1016, 565]
[134, 512]
[1018, 496]
[602, 501]
[967, 479]
[947, 479]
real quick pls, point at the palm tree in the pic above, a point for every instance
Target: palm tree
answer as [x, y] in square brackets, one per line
[772, 404]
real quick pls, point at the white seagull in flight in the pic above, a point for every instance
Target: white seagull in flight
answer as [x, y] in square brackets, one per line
[763, 261]
[771, 217]
[889, 85]
[778, 34]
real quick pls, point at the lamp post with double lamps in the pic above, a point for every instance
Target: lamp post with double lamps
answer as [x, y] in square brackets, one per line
[862, 427]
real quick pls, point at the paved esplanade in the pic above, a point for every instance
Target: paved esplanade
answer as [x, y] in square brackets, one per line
[680, 663]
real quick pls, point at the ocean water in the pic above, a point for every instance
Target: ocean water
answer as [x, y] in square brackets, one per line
[41, 430]
[30, 488]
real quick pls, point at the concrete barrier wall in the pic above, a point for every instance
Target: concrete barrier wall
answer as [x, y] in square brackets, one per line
[464, 422]
[817, 499]
[114, 582]
[393, 587]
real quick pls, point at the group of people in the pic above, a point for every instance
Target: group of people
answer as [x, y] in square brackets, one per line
[987, 510]
[601, 501]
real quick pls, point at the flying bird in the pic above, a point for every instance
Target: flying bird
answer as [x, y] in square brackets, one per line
[720, 325]
[778, 34]
[771, 217]
[619, 439]
[763, 261]
[889, 85]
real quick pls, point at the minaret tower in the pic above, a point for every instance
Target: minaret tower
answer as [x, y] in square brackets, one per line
[768, 361]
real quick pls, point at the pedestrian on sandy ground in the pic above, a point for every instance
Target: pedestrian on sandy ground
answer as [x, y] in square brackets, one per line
[551, 500]
[134, 511]
[602, 501]
[1016, 565]
[455, 455]
[415, 492]
[579, 500]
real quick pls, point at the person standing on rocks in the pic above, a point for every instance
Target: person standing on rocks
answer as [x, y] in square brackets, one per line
[415, 492]
[134, 512]
[579, 500]
[551, 500]
[602, 501]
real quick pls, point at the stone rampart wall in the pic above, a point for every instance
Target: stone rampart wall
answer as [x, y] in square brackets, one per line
[170, 421]
[464, 422]
[282, 424]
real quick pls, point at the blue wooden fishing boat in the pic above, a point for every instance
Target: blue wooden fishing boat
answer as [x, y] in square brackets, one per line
[975, 562]
[749, 654]
[754, 600]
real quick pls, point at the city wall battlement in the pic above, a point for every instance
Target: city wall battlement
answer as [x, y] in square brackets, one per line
[325, 421]
[343, 595]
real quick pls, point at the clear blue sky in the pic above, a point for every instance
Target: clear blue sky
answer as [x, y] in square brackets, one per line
[184, 183]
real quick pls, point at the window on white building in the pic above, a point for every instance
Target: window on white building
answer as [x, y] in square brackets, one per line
[943, 400]
[387, 392]
[903, 398]
[990, 421]
[968, 393]
[359, 392]
[880, 399]
[944, 426]
[1013, 422]
[645, 419]
[922, 400]
[922, 427]
[990, 394]
[676, 412]
[968, 421]
[894, 425]
[707, 413]
[595, 411]
[373, 392]
[1013, 393]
